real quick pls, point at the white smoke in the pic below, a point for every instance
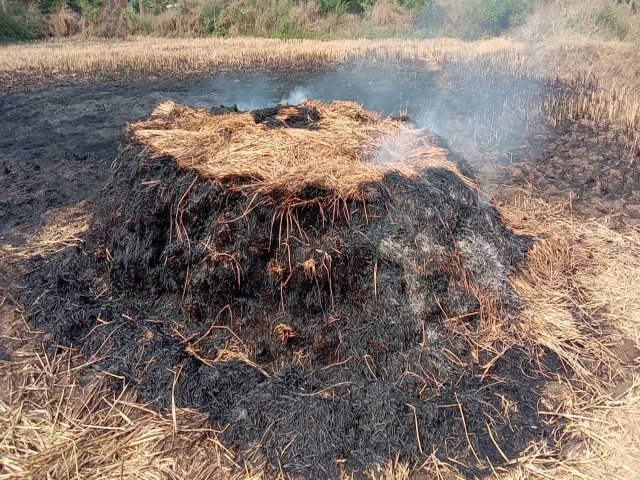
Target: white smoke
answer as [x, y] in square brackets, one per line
[298, 95]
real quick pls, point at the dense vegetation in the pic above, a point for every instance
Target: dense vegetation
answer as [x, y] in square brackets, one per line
[467, 19]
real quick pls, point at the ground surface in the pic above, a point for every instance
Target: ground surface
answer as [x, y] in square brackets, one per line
[58, 142]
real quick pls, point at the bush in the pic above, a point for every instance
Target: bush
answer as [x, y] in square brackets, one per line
[612, 19]
[90, 9]
[20, 22]
[339, 7]
[65, 23]
[499, 15]
[415, 4]
[468, 19]
[210, 18]
[50, 6]
[471, 19]
[155, 7]
[139, 25]
[211, 21]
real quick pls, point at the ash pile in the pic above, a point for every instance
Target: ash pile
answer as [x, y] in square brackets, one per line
[301, 274]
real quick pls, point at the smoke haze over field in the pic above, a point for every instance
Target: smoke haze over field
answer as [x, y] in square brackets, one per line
[470, 111]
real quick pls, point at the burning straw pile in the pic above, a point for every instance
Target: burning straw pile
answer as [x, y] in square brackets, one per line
[321, 282]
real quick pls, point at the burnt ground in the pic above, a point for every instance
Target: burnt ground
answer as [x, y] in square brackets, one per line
[57, 143]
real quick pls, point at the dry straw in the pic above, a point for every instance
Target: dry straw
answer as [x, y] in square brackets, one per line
[345, 149]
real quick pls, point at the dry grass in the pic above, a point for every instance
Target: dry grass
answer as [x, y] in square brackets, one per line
[582, 294]
[595, 19]
[65, 23]
[347, 147]
[58, 422]
[601, 73]
[62, 229]
[581, 287]
[389, 14]
[174, 56]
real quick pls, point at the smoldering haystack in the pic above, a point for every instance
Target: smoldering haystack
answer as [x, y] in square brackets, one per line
[301, 274]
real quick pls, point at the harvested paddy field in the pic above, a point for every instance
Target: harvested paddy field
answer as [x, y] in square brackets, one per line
[316, 290]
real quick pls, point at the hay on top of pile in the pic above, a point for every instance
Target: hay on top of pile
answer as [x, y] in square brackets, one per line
[342, 148]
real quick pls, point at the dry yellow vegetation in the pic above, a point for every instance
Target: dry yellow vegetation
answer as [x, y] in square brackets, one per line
[604, 73]
[347, 147]
[176, 56]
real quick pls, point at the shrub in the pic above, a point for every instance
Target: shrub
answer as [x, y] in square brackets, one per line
[90, 9]
[20, 22]
[612, 19]
[50, 6]
[210, 20]
[155, 7]
[139, 25]
[389, 15]
[415, 4]
[470, 19]
[499, 15]
[334, 6]
[65, 23]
